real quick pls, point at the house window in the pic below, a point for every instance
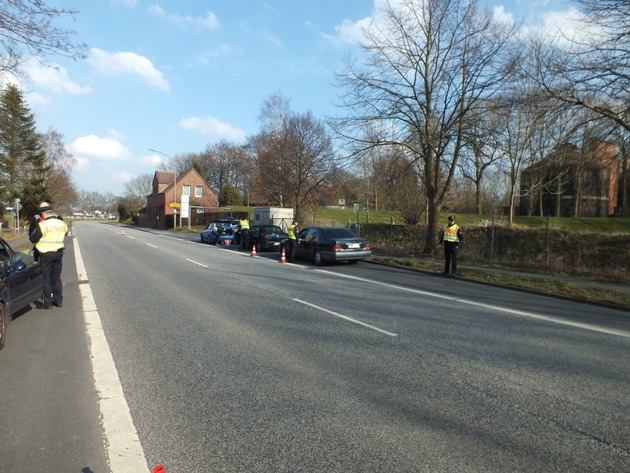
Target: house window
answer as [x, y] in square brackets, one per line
[186, 190]
[198, 191]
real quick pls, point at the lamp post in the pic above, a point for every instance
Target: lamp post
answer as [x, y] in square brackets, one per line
[174, 186]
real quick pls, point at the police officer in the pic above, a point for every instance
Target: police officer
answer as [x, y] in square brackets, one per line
[291, 241]
[48, 237]
[450, 237]
[243, 225]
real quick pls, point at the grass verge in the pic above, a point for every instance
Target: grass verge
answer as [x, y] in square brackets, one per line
[545, 285]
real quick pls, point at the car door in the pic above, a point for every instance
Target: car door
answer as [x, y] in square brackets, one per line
[254, 235]
[24, 278]
[306, 241]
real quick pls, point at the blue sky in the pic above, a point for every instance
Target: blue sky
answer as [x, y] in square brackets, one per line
[179, 75]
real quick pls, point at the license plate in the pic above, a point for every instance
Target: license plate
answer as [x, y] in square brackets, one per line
[276, 243]
[354, 245]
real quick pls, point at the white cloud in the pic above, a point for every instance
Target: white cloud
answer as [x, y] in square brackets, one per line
[121, 176]
[54, 78]
[127, 63]
[34, 98]
[273, 39]
[209, 22]
[152, 161]
[127, 3]
[212, 126]
[352, 31]
[92, 147]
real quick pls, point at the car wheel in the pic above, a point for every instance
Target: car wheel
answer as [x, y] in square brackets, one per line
[3, 325]
[202, 240]
[318, 258]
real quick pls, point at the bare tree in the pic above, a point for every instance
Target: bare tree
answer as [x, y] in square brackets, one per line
[309, 158]
[591, 68]
[137, 190]
[427, 66]
[26, 28]
[480, 150]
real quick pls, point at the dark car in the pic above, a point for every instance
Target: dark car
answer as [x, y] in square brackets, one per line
[330, 244]
[20, 284]
[267, 237]
[222, 229]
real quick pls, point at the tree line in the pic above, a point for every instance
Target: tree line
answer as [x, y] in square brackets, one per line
[443, 108]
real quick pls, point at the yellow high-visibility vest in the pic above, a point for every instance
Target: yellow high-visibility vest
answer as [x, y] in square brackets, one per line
[450, 233]
[244, 224]
[53, 232]
[291, 232]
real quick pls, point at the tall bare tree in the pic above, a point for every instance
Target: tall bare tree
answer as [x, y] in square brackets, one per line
[427, 65]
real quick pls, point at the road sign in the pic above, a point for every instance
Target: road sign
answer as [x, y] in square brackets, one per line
[175, 205]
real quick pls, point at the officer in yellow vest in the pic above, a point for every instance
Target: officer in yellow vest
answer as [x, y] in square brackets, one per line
[291, 241]
[48, 237]
[243, 225]
[450, 237]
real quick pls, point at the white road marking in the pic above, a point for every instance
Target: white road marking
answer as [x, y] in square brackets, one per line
[349, 319]
[124, 450]
[522, 313]
[149, 244]
[195, 262]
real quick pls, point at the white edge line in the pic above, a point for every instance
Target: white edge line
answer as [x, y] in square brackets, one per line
[523, 313]
[149, 244]
[349, 319]
[124, 450]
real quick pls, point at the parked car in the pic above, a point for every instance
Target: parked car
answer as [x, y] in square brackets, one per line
[219, 231]
[20, 284]
[330, 244]
[267, 237]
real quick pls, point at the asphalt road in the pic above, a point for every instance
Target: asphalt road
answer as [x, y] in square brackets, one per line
[231, 363]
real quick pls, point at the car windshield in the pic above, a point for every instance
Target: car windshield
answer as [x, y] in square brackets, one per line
[272, 229]
[333, 233]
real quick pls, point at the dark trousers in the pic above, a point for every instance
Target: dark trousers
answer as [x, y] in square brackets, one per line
[290, 250]
[450, 257]
[51, 269]
[244, 238]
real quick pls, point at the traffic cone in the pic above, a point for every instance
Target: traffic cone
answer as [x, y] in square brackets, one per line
[159, 469]
[283, 256]
[123, 232]
[253, 250]
[69, 233]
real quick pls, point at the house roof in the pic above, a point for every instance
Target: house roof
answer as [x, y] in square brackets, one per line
[164, 177]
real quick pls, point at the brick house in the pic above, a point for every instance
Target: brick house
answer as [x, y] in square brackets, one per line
[159, 214]
[574, 182]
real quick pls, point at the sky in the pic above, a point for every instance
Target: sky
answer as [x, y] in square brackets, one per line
[178, 76]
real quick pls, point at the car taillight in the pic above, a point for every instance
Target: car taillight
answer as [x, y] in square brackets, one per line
[337, 248]
[367, 246]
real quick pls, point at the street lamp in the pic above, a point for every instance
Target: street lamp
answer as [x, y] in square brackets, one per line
[174, 186]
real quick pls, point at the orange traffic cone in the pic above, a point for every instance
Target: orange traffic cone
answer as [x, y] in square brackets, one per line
[253, 250]
[159, 469]
[283, 256]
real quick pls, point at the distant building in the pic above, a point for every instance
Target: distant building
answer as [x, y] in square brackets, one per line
[574, 182]
[160, 214]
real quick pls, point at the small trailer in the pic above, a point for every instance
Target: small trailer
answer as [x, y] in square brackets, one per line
[281, 216]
